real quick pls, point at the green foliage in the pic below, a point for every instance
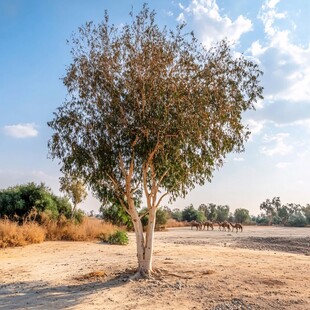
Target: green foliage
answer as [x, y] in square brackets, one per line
[139, 108]
[306, 211]
[177, 214]
[191, 214]
[242, 215]
[297, 220]
[222, 213]
[119, 237]
[291, 214]
[115, 214]
[74, 188]
[20, 200]
[210, 211]
[161, 217]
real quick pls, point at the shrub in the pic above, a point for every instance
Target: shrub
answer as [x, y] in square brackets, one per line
[297, 220]
[119, 237]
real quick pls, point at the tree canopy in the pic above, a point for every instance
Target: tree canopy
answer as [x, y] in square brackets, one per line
[150, 112]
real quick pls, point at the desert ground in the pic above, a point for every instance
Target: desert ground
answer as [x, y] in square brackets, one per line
[259, 268]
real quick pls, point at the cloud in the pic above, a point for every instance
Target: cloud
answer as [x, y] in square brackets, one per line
[238, 159]
[282, 165]
[210, 25]
[286, 65]
[255, 127]
[27, 130]
[276, 145]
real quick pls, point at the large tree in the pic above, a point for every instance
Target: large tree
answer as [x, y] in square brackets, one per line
[149, 112]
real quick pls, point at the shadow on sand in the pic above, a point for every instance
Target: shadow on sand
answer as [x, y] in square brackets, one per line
[40, 295]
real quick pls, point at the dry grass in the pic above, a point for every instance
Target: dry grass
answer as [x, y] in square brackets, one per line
[12, 234]
[89, 229]
[92, 276]
[174, 223]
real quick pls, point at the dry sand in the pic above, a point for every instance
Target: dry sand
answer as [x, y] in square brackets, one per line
[260, 268]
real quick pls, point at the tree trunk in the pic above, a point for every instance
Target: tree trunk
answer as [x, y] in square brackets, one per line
[144, 244]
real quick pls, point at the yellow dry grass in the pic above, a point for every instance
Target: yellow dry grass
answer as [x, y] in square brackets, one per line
[12, 234]
[173, 223]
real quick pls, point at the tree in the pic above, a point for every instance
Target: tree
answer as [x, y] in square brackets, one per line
[190, 214]
[74, 188]
[222, 213]
[210, 211]
[150, 112]
[306, 211]
[177, 214]
[242, 215]
[271, 207]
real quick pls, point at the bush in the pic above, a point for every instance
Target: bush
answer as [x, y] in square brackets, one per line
[297, 220]
[119, 237]
[18, 202]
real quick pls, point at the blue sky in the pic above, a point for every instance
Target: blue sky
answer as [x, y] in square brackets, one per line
[274, 33]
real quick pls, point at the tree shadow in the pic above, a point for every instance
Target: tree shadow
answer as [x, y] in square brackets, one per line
[41, 295]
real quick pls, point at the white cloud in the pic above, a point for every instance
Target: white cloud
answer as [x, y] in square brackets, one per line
[286, 65]
[282, 165]
[255, 127]
[238, 159]
[210, 25]
[276, 145]
[21, 130]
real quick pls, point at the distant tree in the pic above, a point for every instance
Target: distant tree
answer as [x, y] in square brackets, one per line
[297, 220]
[306, 211]
[150, 111]
[177, 214]
[242, 215]
[230, 217]
[161, 218]
[222, 213]
[203, 208]
[271, 207]
[210, 212]
[74, 188]
[189, 214]
[284, 214]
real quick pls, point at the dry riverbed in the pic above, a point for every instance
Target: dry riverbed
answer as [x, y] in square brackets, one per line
[260, 268]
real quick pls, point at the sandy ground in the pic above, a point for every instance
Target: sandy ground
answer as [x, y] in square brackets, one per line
[260, 268]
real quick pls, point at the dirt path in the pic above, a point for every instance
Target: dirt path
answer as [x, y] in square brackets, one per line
[200, 270]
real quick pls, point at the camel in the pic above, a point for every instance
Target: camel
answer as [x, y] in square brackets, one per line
[196, 224]
[237, 226]
[223, 225]
[209, 224]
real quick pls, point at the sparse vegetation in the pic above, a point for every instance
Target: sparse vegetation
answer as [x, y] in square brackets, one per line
[13, 234]
[119, 237]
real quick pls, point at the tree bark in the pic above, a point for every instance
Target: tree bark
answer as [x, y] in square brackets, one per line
[144, 243]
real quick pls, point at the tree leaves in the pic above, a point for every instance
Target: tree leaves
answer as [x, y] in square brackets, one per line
[152, 99]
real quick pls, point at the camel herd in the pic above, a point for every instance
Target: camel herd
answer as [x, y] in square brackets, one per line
[222, 225]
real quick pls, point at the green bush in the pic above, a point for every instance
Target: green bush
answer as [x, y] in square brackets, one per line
[119, 237]
[297, 220]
